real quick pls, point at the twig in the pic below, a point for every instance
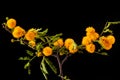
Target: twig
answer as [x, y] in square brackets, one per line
[108, 24]
[5, 27]
[65, 58]
[32, 59]
[60, 65]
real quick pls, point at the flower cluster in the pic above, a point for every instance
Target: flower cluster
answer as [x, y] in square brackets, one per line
[92, 36]
[46, 45]
[87, 41]
[107, 41]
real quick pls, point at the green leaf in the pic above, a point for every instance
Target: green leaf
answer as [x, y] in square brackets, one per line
[55, 37]
[26, 65]
[45, 76]
[39, 46]
[42, 38]
[43, 66]
[104, 53]
[39, 29]
[48, 39]
[107, 25]
[30, 53]
[53, 68]
[107, 30]
[66, 78]
[21, 41]
[24, 58]
[60, 34]
[110, 31]
[29, 71]
[43, 33]
[115, 22]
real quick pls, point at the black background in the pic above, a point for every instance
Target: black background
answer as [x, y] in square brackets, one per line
[78, 66]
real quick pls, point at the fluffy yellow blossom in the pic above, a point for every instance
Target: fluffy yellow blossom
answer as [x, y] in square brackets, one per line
[30, 35]
[38, 54]
[11, 23]
[59, 42]
[111, 38]
[73, 48]
[32, 43]
[93, 36]
[47, 51]
[18, 32]
[86, 40]
[105, 42]
[90, 48]
[68, 42]
[90, 30]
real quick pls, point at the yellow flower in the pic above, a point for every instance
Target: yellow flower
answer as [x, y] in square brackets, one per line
[73, 48]
[86, 40]
[90, 30]
[30, 35]
[90, 48]
[59, 42]
[105, 42]
[47, 51]
[38, 54]
[93, 36]
[32, 43]
[11, 23]
[68, 42]
[18, 32]
[111, 38]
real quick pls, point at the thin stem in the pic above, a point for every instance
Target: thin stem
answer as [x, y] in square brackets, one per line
[47, 40]
[65, 59]
[108, 24]
[60, 66]
[32, 59]
[116, 22]
[5, 27]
